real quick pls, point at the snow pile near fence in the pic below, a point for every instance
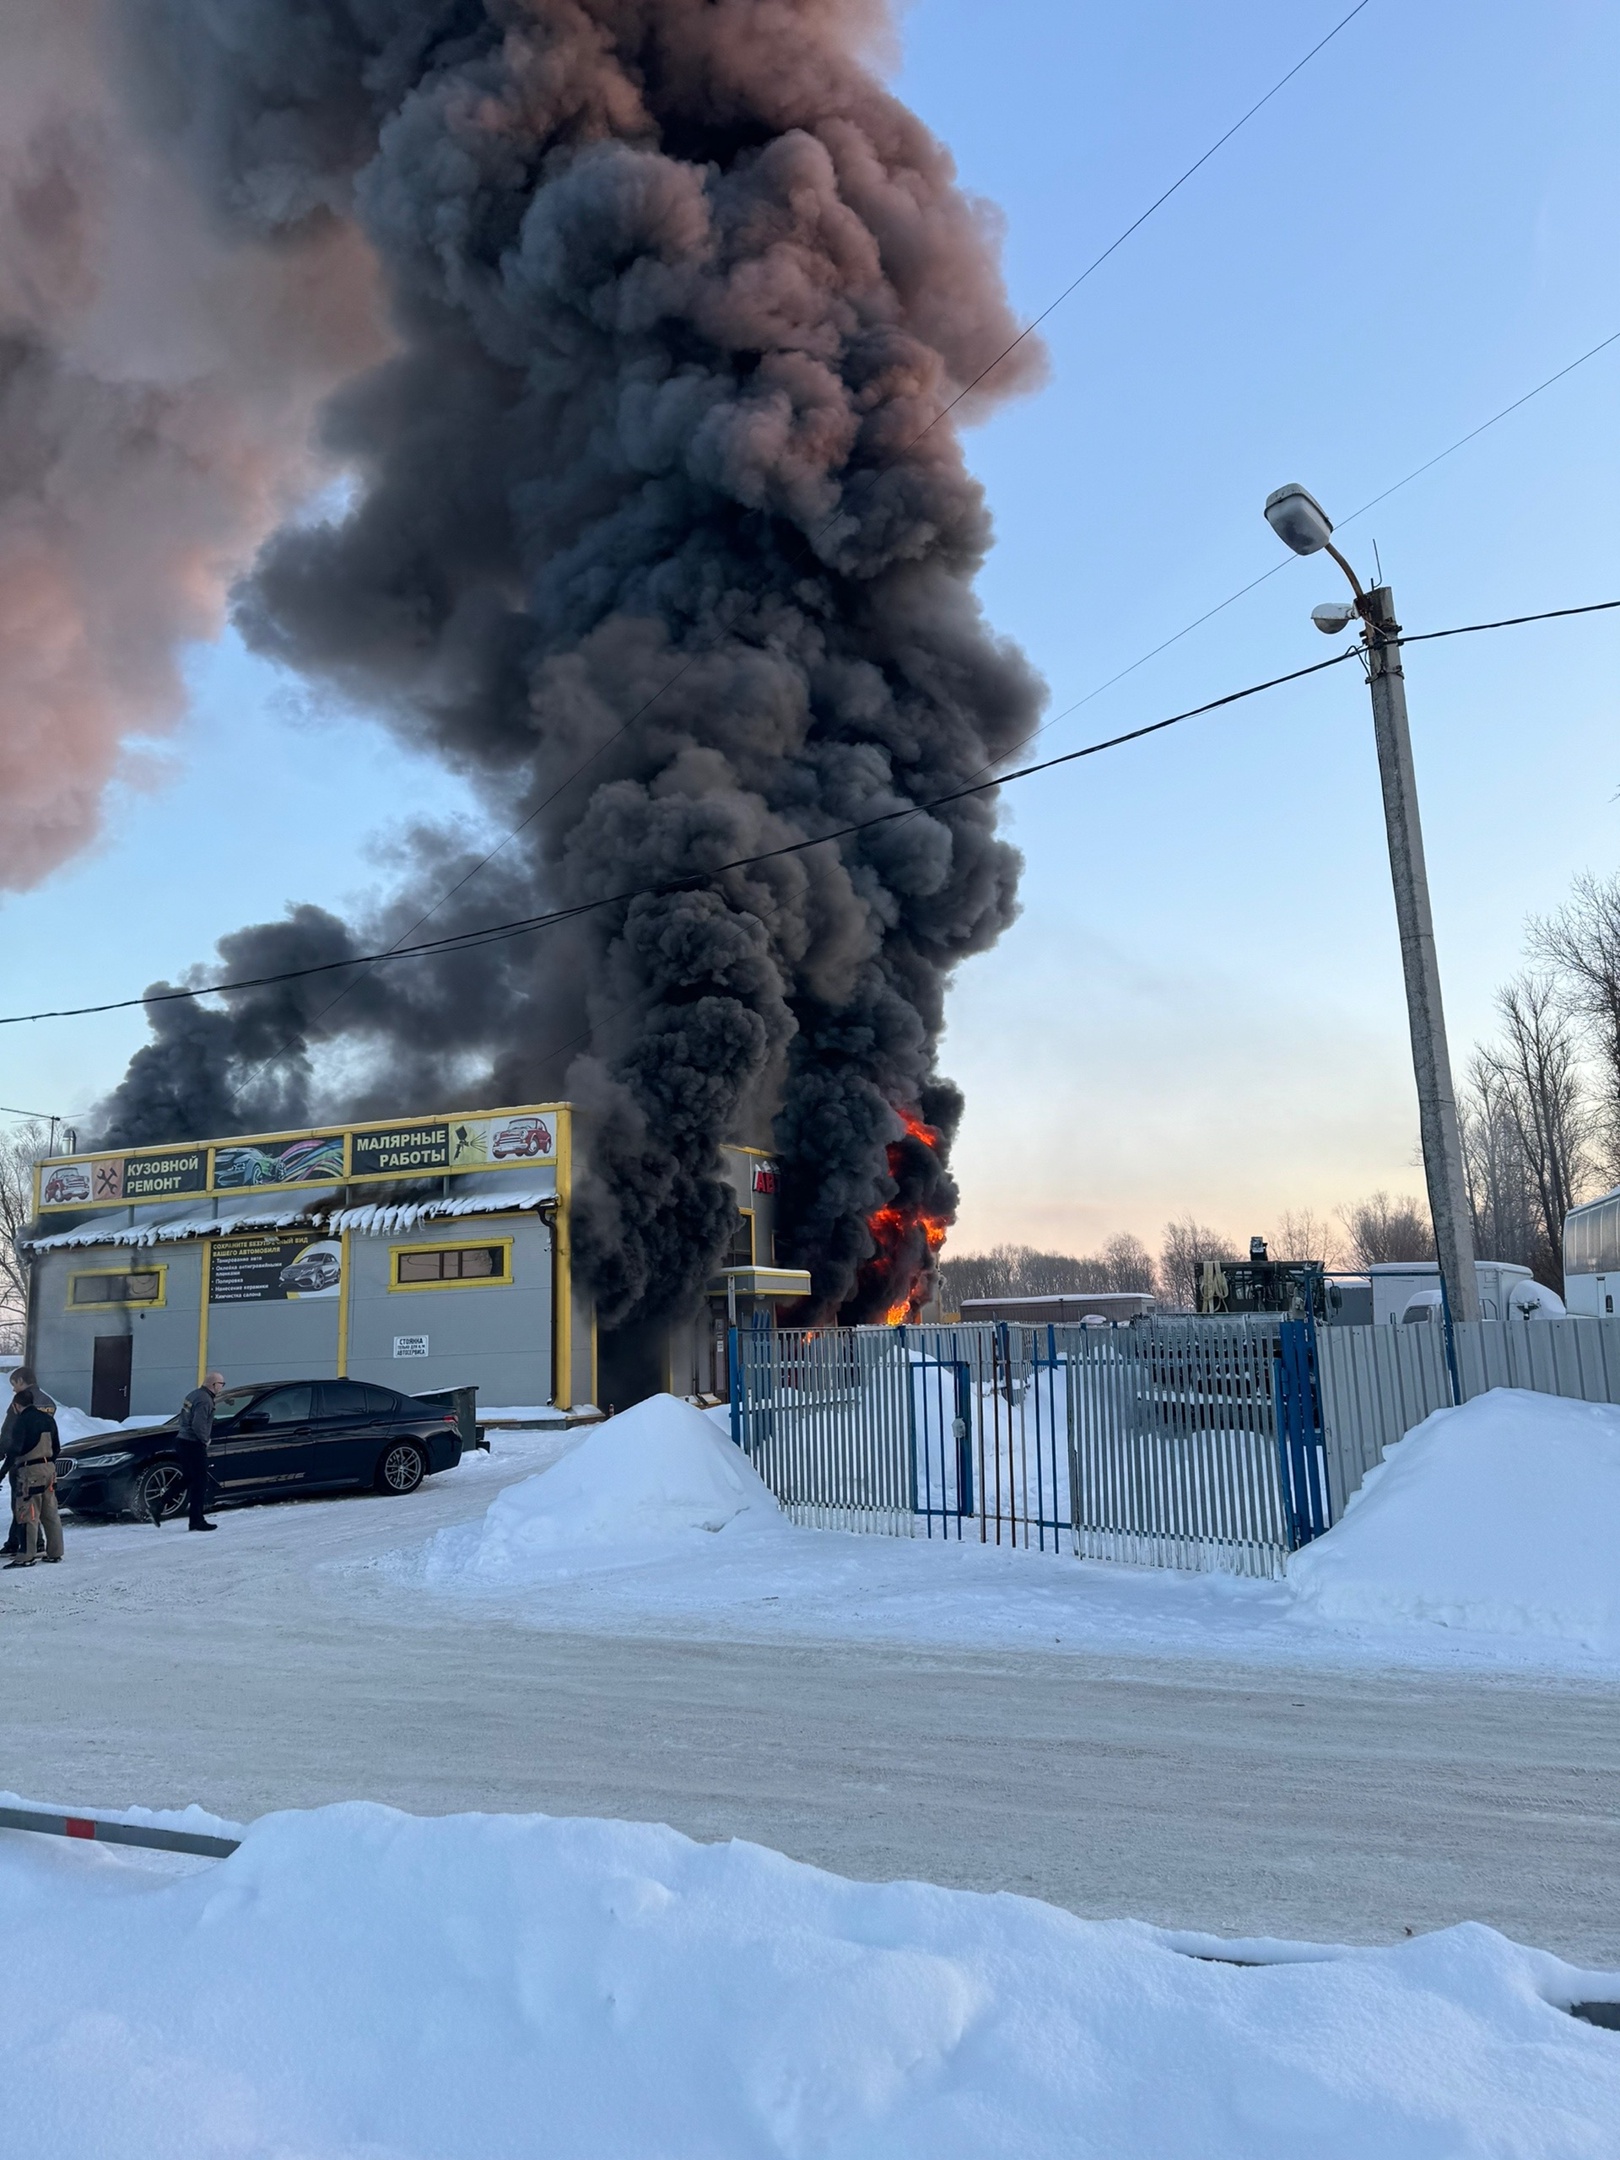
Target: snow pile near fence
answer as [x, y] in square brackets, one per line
[1500, 1518]
[358, 1982]
[646, 1485]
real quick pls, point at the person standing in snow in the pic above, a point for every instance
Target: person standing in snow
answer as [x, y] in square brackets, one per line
[22, 1379]
[195, 1430]
[31, 1461]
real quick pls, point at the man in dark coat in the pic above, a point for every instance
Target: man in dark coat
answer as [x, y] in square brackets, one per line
[195, 1430]
[30, 1462]
[22, 1379]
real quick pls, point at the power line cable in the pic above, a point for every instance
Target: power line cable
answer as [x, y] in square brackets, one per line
[1090, 696]
[494, 933]
[1282, 563]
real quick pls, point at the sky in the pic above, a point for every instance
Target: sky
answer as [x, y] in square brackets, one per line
[1200, 1008]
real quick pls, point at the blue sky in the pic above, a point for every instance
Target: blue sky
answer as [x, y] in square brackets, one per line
[1200, 1007]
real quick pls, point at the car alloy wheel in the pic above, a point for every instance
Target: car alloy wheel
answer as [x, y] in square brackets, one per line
[160, 1490]
[402, 1468]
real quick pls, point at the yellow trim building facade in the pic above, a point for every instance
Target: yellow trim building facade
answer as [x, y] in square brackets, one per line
[327, 1252]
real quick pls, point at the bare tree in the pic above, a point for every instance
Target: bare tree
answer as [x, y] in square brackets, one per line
[1582, 941]
[20, 1149]
[1125, 1264]
[1187, 1245]
[1501, 1194]
[1536, 1067]
[1021, 1271]
[1306, 1236]
[1381, 1229]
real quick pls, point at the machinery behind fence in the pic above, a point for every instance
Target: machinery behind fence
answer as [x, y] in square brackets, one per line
[1189, 1443]
[1192, 1444]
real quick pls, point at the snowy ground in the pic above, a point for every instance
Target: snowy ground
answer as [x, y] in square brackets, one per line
[1488, 1539]
[359, 1983]
[912, 1712]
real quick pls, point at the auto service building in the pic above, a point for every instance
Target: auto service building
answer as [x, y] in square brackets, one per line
[422, 1253]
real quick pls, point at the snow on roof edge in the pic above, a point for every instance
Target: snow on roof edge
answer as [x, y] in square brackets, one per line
[374, 1219]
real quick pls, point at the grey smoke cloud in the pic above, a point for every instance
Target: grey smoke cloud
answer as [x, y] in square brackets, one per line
[157, 387]
[675, 286]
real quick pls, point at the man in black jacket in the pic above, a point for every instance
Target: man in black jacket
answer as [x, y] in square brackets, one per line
[194, 1432]
[30, 1461]
[22, 1379]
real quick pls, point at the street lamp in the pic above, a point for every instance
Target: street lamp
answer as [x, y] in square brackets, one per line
[1299, 520]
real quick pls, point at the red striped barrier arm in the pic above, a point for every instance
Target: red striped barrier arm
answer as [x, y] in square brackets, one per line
[117, 1833]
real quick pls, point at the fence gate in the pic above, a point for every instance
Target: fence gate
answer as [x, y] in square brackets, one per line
[1177, 1446]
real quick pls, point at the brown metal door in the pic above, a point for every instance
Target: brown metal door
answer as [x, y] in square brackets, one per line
[109, 1376]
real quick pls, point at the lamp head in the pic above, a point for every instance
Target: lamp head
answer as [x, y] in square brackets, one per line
[1333, 616]
[1298, 519]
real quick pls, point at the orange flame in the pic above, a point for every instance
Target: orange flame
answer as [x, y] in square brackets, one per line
[894, 1232]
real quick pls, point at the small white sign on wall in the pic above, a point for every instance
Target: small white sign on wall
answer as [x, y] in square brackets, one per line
[410, 1346]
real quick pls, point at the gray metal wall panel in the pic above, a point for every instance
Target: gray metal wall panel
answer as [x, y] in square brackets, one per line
[1377, 1383]
[163, 1360]
[1574, 1356]
[280, 1339]
[496, 1336]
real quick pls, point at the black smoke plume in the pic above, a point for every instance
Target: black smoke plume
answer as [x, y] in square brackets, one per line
[643, 489]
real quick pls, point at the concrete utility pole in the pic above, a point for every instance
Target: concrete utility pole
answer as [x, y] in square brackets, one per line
[1301, 522]
[1431, 1060]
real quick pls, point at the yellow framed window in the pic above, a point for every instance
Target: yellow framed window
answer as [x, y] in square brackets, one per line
[740, 1252]
[487, 1265]
[100, 1287]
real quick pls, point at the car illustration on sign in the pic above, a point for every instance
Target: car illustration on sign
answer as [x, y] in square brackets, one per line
[63, 1187]
[317, 1268]
[522, 1136]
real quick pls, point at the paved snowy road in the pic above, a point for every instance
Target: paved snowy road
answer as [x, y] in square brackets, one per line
[261, 1669]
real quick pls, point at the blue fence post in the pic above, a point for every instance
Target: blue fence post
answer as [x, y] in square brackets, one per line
[734, 1373]
[1299, 1430]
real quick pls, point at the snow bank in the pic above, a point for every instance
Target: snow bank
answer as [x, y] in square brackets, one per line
[642, 1486]
[356, 1982]
[1502, 1517]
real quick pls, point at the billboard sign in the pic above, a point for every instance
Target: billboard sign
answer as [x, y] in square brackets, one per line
[314, 1160]
[399, 1150]
[270, 1267]
[471, 1143]
[100, 1178]
[415, 1147]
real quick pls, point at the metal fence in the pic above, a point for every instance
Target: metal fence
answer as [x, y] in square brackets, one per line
[1211, 1443]
[1178, 1452]
[1378, 1382]
[1190, 1445]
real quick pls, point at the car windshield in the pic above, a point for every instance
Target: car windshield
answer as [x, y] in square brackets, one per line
[234, 1399]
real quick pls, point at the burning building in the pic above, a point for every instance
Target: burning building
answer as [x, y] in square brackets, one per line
[327, 1254]
[647, 514]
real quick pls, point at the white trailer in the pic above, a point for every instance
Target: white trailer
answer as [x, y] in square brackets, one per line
[1407, 1291]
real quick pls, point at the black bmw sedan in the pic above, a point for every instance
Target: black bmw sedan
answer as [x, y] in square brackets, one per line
[271, 1440]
